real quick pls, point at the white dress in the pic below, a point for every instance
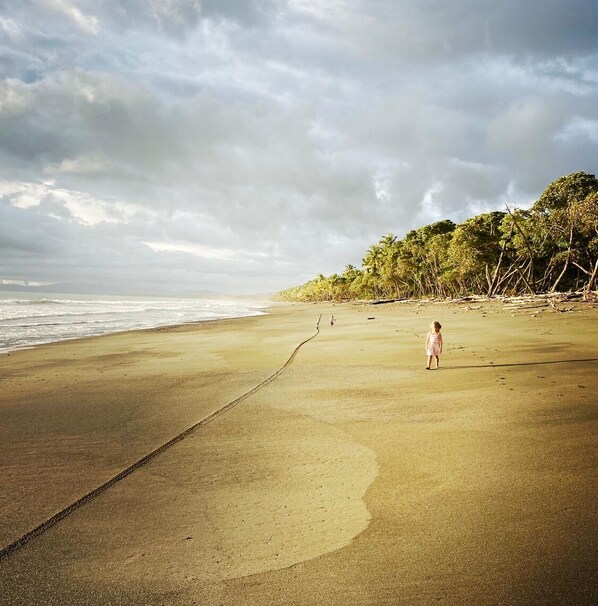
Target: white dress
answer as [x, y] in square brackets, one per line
[434, 344]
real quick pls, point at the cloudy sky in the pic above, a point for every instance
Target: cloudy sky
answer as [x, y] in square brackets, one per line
[246, 145]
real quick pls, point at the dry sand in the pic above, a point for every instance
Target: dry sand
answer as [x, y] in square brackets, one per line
[356, 477]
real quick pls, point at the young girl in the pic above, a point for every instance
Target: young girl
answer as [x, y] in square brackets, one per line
[434, 344]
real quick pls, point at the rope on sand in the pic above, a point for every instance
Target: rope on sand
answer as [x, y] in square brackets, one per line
[5, 552]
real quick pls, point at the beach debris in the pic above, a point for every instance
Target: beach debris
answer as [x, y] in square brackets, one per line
[384, 301]
[529, 301]
[550, 300]
[371, 318]
[561, 311]
[523, 306]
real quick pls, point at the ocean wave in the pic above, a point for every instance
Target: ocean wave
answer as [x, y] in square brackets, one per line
[42, 324]
[7, 320]
[32, 301]
[30, 322]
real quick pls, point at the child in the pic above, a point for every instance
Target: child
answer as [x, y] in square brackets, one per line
[434, 344]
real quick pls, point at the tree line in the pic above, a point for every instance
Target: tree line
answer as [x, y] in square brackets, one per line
[553, 246]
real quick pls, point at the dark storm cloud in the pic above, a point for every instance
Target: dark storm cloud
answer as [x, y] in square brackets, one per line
[249, 145]
[432, 27]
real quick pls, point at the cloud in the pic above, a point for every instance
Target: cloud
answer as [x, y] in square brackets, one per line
[579, 128]
[80, 206]
[250, 145]
[86, 22]
[206, 252]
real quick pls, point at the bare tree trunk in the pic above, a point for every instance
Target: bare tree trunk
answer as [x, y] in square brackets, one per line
[519, 270]
[569, 247]
[509, 274]
[593, 278]
[565, 268]
[493, 284]
[531, 286]
[516, 285]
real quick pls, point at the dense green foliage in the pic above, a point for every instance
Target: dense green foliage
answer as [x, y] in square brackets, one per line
[552, 246]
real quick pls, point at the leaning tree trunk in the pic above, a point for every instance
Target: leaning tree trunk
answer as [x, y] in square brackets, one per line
[519, 269]
[560, 277]
[593, 278]
[494, 284]
[567, 260]
[531, 283]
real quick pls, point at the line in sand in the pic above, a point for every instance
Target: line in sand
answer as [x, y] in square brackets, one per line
[6, 551]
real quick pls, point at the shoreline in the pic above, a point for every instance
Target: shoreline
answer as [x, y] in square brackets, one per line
[130, 330]
[575, 297]
[354, 459]
[166, 327]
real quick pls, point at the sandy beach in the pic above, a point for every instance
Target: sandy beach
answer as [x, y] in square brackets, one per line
[355, 477]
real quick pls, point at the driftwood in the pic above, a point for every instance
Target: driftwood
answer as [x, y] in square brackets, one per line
[545, 300]
[383, 301]
[528, 301]
[517, 306]
[561, 311]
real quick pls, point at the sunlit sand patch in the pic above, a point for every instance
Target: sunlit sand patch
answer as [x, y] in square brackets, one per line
[261, 492]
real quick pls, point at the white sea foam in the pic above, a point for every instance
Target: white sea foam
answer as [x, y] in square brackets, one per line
[28, 319]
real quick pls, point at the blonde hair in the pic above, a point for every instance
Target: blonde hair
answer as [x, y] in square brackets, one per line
[436, 325]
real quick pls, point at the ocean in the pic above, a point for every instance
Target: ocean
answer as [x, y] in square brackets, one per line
[30, 319]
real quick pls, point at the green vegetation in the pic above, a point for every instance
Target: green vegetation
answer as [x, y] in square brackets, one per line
[552, 246]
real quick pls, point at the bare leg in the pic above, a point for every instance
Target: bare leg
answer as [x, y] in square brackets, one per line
[429, 362]
[437, 361]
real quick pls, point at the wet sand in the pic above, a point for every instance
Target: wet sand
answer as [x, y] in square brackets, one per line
[355, 477]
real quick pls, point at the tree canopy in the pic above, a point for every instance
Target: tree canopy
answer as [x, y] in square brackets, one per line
[553, 245]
